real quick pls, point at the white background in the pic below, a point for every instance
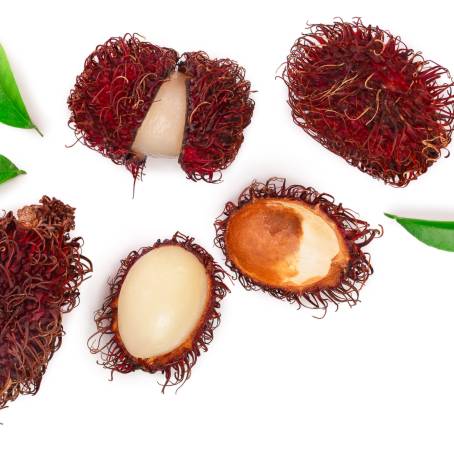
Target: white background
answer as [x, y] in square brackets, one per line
[377, 378]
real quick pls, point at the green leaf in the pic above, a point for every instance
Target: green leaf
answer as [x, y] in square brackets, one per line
[438, 234]
[12, 108]
[8, 170]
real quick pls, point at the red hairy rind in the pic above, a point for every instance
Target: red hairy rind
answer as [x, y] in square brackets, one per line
[41, 269]
[357, 234]
[113, 94]
[365, 96]
[219, 108]
[106, 340]
[119, 83]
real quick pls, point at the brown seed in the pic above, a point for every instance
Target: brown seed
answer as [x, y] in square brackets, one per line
[286, 244]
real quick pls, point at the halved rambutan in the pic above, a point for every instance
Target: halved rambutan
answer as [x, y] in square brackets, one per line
[161, 310]
[41, 269]
[134, 99]
[295, 244]
[365, 96]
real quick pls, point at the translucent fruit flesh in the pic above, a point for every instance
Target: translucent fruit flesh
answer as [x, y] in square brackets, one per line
[162, 301]
[162, 130]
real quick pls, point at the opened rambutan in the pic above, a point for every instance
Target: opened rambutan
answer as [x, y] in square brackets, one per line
[134, 99]
[365, 96]
[161, 310]
[295, 244]
[41, 269]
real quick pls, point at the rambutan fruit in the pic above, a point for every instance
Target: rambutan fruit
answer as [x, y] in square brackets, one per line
[295, 244]
[367, 97]
[134, 100]
[41, 269]
[162, 308]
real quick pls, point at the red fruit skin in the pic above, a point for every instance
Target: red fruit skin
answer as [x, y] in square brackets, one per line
[365, 96]
[41, 269]
[219, 109]
[113, 94]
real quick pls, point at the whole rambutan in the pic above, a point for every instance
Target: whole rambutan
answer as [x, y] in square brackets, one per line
[134, 99]
[367, 97]
[41, 269]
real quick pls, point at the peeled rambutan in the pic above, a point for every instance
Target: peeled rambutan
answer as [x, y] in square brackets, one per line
[41, 269]
[134, 99]
[295, 244]
[365, 96]
[162, 308]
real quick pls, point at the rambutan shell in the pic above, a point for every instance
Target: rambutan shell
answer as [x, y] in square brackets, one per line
[350, 267]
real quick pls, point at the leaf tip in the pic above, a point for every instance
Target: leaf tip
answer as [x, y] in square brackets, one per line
[390, 215]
